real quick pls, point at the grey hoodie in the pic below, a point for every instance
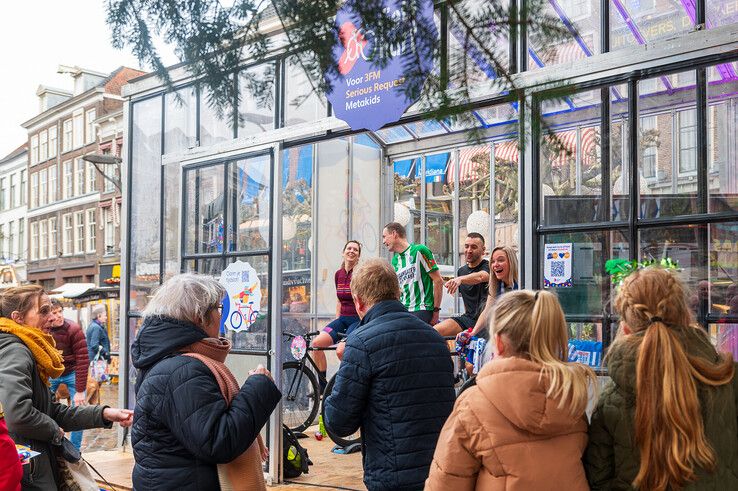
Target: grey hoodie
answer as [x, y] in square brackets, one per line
[33, 416]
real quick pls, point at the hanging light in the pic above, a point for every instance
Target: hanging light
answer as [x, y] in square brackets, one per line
[402, 214]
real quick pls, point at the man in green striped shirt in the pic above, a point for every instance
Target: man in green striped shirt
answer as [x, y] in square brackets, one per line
[421, 285]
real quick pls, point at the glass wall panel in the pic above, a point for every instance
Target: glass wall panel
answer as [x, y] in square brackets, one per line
[214, 128]
[144, 208]
[332, 196]
[366, 184]
[256, 93]
[570, 161]
[204, 213]
[667, 159]
[297, 226]
[407, 196]
[302, 102]
[634, 22]
[590, 287]
[685, 245]
[250, 205]
[172, 219]
[254, 338]
[506, 192]
[180, 120]
[722, 152]
[721, 12]
[210, 266]
[723, 243]
[439, 201]
[725, 338]
[474, 163]
[619, 161]
[580, 19]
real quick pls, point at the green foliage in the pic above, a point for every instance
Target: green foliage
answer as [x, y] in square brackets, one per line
[213, 38]
[619, 269]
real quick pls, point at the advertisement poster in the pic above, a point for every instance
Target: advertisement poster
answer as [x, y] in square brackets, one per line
[364, 94]
[243, 297]
[557, 265]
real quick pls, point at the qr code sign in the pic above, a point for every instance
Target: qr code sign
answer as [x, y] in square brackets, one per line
[558, 268]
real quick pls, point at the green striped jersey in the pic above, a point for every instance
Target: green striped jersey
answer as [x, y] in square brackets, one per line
[413, 267]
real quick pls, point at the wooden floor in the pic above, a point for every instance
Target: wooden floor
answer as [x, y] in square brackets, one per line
[343, 471]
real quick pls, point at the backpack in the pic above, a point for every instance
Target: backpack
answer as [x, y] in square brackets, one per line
[295, 458]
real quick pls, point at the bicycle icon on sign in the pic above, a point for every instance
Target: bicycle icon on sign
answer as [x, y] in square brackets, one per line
[245, 311]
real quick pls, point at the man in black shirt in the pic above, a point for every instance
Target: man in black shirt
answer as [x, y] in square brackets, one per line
[471, 281]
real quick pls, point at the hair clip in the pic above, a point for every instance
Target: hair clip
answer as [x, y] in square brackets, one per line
[535, 297]
[655, 319]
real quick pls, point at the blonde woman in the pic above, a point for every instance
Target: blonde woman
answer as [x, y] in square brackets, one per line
[503, 278]
[683, 431]
[523, 425]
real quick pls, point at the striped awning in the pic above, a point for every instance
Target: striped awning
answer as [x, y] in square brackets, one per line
[566, 142]
[507, 151]
[472, 164]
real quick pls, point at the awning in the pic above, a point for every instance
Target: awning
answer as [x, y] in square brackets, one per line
[406, 168]
[507, 151]
[435, 167]
[566, 143]
[70, 290]
[472, 162]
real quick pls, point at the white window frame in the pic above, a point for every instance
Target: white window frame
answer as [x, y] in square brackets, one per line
[678, 116]
[91, 232]
[34, 150]
[13, 197]
[3, 200]
[68, 183]
[43, 146]
[68, 135]
[43, 187]
[79, 232]
[109, 230]
[91, 177]
[43, 240]
[90, 116]
[78, 124]
[53, 252]
[21, 239]
[34, 190]
[34, 241]
[11, 239]
[53, 142]
[68, 234]
[53, 182]
[79, 176]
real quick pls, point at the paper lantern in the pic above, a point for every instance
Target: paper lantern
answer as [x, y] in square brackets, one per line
[478, 222]
[402, 214]
[288, 228]
[617, 187]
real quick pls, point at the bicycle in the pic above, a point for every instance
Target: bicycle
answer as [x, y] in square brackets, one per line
[301, 391]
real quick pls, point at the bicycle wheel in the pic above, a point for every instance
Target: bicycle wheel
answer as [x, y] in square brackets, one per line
[340, 441]
[300, 396]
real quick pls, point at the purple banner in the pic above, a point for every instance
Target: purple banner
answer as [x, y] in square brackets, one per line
[365, 95]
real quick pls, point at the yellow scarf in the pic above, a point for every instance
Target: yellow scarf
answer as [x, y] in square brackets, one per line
[43, 348]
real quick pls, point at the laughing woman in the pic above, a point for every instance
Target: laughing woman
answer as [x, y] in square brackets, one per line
[503, 278]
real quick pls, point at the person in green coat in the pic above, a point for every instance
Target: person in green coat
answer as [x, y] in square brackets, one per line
[668, 418]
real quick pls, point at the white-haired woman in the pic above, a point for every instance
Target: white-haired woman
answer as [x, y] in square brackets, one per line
[190, 413]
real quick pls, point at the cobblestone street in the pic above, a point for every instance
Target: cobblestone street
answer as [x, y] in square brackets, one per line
[99, 438]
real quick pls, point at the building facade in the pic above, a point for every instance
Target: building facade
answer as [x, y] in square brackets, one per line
[13, 227]
[72, 208]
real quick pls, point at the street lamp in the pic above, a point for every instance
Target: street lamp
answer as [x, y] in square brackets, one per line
[105, 159]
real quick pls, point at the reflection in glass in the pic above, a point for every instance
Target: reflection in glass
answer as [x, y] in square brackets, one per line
[144, 214]
[251, 203]
[722, 153]
[254, 337]
[256, 105]
[590, 290]
[667, 148]
[204, 214]
[619, 160]
[172, 213]
[214, 128]
[407, 196]
[302, 102]
[634, 22]
[571, 165]
[720, 13]
[724, 269]
[725, 338]
[473, 193]
[365, 188]
[180, 120]
[581, 21]
[297, 222]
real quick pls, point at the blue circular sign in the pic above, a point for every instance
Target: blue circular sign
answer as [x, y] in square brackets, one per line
[364, 94]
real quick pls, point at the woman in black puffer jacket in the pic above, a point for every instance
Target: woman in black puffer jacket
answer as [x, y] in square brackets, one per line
[183, 427]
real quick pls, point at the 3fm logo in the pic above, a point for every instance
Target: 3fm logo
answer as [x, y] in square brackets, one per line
[354, 41]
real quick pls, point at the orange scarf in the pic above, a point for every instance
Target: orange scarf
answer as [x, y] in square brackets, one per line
[49, 361]
[245, 472]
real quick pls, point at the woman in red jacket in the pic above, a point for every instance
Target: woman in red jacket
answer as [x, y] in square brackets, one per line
[11, 470]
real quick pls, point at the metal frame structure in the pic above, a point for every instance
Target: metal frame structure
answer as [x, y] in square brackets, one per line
[698, 48]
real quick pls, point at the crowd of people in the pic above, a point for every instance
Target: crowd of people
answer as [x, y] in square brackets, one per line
[667, 418]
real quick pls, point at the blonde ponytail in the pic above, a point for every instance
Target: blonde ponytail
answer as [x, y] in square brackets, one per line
[669, 429]
[535, 326]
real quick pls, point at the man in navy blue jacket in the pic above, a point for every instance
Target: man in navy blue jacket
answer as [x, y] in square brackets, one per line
[395, 384]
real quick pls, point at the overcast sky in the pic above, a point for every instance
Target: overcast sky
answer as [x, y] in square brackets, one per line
[36, 37]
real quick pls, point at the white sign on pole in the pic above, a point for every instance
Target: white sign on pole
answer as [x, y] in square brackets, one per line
[557, 265]
[243, 296]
